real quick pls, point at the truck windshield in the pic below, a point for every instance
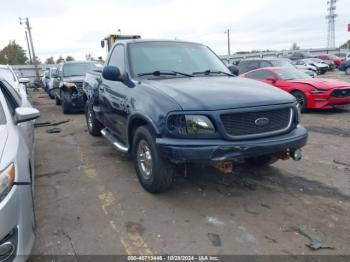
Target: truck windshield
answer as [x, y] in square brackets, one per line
[291, 74]
[76, 69]
[187, 58]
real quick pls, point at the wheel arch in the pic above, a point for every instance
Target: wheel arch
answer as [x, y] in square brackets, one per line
[136, 121]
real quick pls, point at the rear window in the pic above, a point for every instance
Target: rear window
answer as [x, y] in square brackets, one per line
[2, 115]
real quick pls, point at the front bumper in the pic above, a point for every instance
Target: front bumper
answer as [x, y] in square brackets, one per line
[207, 150]
[17, 221]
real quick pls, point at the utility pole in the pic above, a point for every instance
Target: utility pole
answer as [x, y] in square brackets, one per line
[331, 7]
[35, 61]
[228, 41]
[29, 52]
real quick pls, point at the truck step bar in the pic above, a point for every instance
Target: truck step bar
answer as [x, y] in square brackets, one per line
[111, 138]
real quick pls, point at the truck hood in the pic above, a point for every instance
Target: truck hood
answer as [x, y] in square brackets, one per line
[3, 139]
[217, 93]
[322, 83]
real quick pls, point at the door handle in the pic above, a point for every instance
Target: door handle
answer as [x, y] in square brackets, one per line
[101, 88]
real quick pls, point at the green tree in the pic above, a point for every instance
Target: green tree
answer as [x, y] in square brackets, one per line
[295, 46]
[345, 45]
[70, 58]
[59, 60]
[13, 54]
[50, 60]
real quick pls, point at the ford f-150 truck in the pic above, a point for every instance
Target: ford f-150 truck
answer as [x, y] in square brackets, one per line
[171, 102]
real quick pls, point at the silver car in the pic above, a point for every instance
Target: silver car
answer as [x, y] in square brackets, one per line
[17, 221]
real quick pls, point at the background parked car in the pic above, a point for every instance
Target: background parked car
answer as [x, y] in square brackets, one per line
[252, 64]
[16, 174]
[343, 55]
[309, 92]
[7, 73]
[69, 91]
[345, 66]
[51, 82]
[333, 58]
[330, 63]
[321, 68]
[299, 55]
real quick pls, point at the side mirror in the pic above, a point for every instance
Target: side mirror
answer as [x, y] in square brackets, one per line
[270, 80]
[24, 114]
[111, 73]
[234, 70]
[24, 80]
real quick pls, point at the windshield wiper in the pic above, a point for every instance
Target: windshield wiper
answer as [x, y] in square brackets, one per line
[208, 72]
[164, 72]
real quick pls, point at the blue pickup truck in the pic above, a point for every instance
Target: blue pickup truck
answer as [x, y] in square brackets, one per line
[171, 102]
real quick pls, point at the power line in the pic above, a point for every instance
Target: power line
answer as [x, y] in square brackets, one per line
[331, 7]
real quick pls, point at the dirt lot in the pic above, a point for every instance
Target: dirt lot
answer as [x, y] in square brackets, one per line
[88, 200]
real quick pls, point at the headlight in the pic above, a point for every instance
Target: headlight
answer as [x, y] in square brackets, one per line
[190, 125]
[7, 178]
[69, 84]
[318, 91]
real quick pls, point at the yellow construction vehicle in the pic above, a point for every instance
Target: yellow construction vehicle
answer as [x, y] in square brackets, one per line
[111, 39]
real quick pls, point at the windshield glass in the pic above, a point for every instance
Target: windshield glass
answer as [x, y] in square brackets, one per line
[291, 74]
[7, 75]
[76, 69]
[186, 58]
[2, 115]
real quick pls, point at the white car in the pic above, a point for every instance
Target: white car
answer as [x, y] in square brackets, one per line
[7, 73]
[17, 220]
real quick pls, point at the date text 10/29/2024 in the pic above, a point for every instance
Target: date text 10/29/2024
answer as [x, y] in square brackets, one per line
[200, 258]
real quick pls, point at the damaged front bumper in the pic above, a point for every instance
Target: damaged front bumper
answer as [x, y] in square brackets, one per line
[208, 150]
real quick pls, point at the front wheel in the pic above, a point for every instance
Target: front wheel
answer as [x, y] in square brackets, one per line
[347, 71]
[65, 96]
[261, 160]
[154, 172]
[57, 101]
[301, 99]
[94, 126]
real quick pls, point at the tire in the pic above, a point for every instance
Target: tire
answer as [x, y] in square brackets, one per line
[302, 100]
[161, 171]
[94, 126]
[52, 96]
[261, 160]
[65, 104]
[347, 71]
[57, 101]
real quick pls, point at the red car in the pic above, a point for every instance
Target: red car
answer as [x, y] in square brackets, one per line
[310, 92]
[333, 58]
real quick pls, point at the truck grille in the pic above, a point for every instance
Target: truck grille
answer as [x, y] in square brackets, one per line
[341, 93]
[254, 124]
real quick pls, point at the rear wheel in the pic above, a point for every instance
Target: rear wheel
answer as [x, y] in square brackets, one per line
[154, 172]
[347, 71]
[301, 99]
[94, 126]
[261, 160]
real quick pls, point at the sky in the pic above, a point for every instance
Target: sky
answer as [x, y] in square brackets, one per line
[76, 27]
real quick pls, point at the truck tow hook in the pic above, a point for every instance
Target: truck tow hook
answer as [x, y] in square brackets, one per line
[224, 166]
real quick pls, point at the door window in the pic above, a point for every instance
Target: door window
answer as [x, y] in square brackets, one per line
[118, 58]
[261, 74]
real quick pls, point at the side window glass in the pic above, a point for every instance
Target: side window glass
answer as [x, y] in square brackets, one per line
[265, 64]
[12, 98]
[253, 65]
[117, 58]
